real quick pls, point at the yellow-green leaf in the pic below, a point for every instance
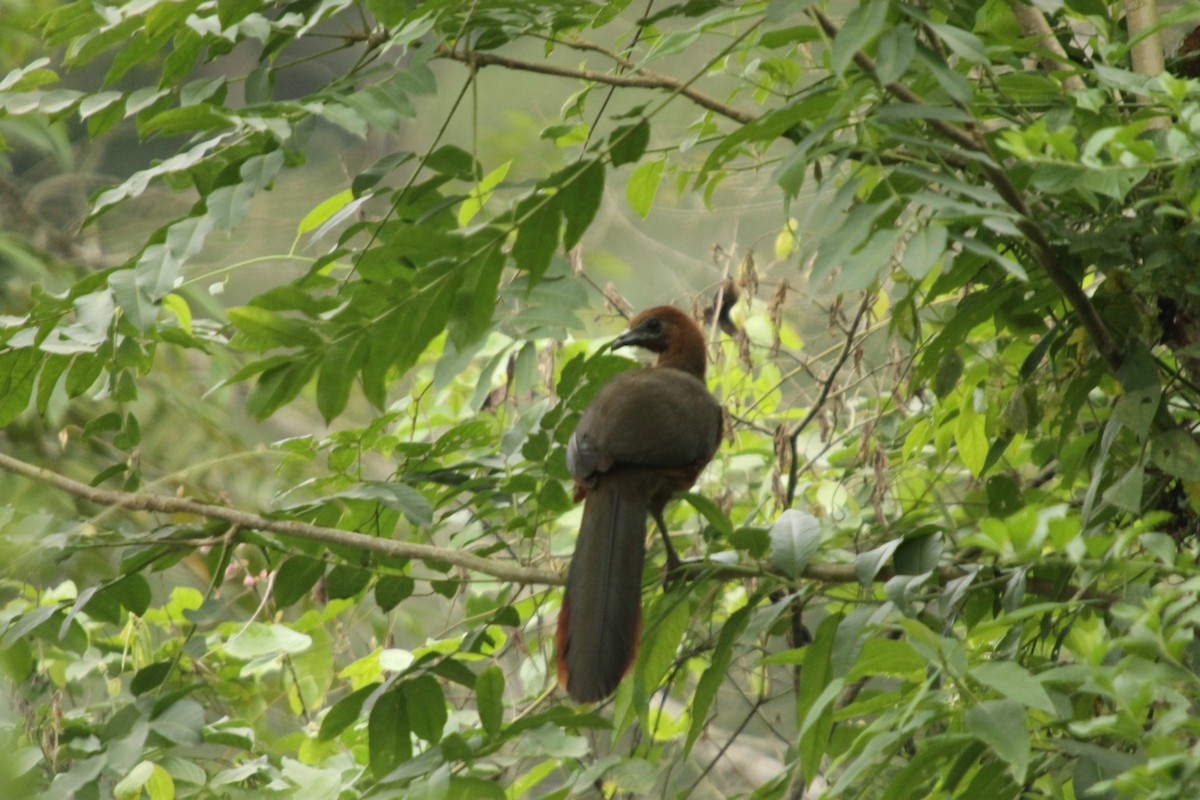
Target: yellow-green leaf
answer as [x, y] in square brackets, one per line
[643, 186]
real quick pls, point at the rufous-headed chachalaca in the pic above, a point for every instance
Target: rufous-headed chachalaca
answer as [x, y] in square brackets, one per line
[646, 435]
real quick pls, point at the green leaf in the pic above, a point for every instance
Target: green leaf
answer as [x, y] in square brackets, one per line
[409, 326]
[714, 675]
[489, 699]
[1002, 726]
[660, 642]
[643, 185]
[149, 777]
[863, 24]
[95, 103]
[379, 170]
[813, 704]
[581, 190]
[1141, 390]
[389, 739]
[795, 537]
[923, 250]
[189, 119]
[18, 371]
[539, 218]
[711, 512]
[897, 46]
[453, 161]
[346, 581]
[345, 712]
[150, 677]
[970, 434]
[340, 364]
[1175, 451]
[133, 299]
[918, 553]
[259, 639]
[181, 722]
[400, 496]
[324, 210]
[182, 311]
[636, 776]
[279, 384]
[426, 706]
[392, 590]
[262, 329]
[481, 193]
[295, 578]
[48, 380]
[1126, 492]
[476, 300]
[228, 205]
[962, 42]
[868, 564]
[132, 592]
[627, 143]
[1014, 682]
[886, 657]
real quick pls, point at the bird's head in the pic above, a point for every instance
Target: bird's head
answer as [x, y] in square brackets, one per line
[669, 332]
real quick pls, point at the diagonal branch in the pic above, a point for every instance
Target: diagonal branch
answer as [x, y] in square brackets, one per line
[165, 504]
[1044, 252]
[1054, 56]
[503, 570]
[826, 386]
[643, 79]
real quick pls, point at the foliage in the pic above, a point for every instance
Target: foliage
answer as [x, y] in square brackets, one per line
[958, 560]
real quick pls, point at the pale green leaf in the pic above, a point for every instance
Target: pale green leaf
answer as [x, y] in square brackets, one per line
[260, 639]
[643, 185]
[1014, 682]
[1002, 726]
[479, 195]
[489, 699]
[324, 211]
[795, 537]
[923, 250]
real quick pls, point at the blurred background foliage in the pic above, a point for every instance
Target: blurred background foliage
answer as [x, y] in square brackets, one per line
[275, 272]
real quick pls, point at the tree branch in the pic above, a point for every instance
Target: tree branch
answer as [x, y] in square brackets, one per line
[1146, 55]
[503, 570]
[1033, 23]
[643, 79]
[1044, 252]
[165, 504]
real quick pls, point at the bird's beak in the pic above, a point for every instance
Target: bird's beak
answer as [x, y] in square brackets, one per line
[627, 339]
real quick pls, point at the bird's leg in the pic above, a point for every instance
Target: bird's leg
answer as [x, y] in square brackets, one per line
[673, 562]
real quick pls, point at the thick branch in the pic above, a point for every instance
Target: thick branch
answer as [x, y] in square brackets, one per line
[504, 570]
[1146, 55]
[643, 79]
[165, 504]
[1033, 23]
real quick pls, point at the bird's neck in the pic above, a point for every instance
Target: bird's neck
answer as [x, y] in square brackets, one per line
[686, 351]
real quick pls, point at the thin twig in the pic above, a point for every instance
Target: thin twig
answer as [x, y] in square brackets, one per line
[826, 386]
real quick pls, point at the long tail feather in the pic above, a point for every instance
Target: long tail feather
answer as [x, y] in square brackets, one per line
[600, 620]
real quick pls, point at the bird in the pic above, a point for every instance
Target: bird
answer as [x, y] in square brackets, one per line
[647, 434]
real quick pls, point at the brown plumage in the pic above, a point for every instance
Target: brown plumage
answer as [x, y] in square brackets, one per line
[646, 435]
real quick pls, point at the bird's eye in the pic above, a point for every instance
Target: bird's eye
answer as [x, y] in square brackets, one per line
[653, 325]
